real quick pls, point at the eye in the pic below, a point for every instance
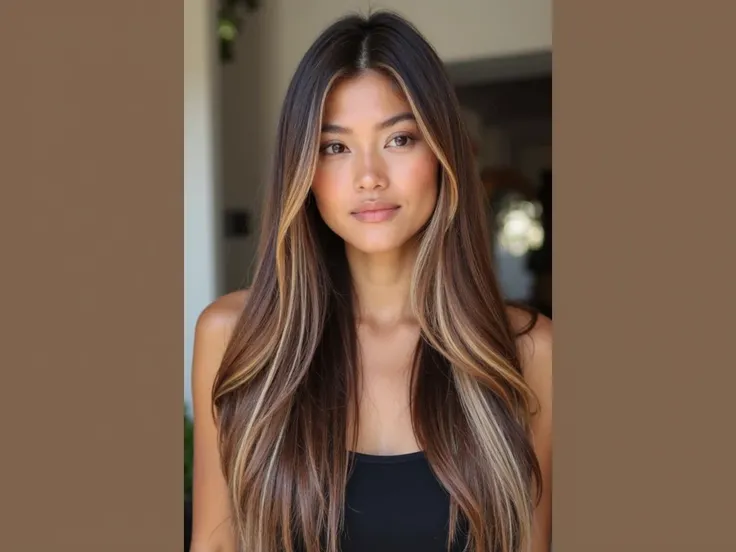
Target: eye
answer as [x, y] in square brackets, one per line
[333, 149]
[401, 140]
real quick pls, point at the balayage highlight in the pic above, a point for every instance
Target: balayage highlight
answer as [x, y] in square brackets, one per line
[288, 384]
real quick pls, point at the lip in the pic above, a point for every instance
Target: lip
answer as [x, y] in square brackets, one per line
[376, 211]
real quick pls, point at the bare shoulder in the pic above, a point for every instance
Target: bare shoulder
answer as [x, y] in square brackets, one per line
[217, 321]
[534, 343]
[213, 331]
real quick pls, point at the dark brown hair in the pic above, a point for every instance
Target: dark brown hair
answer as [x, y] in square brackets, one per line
[288, 383]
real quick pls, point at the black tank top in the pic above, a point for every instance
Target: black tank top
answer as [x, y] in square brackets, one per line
[396, 504]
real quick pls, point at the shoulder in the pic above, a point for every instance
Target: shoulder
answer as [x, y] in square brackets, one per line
[534, 346]
[214, 329]
[534, 340]
[219, 318]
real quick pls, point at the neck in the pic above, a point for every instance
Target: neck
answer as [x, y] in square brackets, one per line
[382, 284]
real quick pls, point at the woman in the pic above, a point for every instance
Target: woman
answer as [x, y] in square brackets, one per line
[371, 392]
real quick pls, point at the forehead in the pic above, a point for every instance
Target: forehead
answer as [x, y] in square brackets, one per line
[371, 95]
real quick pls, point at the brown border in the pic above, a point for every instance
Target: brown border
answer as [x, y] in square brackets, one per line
[644, 366]
[92, 215]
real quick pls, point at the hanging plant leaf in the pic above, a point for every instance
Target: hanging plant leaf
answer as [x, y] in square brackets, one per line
[230, 20]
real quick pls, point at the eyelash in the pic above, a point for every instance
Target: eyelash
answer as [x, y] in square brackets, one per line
[409, 139]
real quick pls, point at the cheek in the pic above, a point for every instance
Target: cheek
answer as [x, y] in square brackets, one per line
[328, 193]
[418, 180]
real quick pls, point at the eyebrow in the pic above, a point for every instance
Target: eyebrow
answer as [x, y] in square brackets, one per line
[391, 121]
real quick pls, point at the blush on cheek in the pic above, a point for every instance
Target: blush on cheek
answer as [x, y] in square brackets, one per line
[422, 177]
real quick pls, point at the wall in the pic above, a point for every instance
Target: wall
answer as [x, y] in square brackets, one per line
[201, 187]
[276, 38]
[245, 123]
[460, 31]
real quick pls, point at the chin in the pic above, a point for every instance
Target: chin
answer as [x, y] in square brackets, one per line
[376, 245]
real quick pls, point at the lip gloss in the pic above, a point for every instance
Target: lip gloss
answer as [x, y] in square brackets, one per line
[378, 215]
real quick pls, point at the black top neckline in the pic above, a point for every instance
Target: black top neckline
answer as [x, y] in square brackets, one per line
[387, 458]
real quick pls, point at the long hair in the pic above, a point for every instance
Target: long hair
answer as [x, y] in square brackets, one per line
[288, 381]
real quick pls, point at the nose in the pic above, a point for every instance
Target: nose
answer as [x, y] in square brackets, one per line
[370, 174]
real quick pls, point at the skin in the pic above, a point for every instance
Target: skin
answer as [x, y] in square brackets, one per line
[365, 160]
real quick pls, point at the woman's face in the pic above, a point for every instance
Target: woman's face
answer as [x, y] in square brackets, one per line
[376, 180]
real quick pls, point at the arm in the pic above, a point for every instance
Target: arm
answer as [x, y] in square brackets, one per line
[536, 355]
[211, 528]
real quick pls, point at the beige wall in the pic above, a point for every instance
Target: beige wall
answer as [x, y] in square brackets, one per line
[201, 176]
[278, 34]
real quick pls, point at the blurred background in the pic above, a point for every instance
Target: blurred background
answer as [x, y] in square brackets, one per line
[238, 59]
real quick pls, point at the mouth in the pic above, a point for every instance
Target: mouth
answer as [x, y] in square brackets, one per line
[376, 212]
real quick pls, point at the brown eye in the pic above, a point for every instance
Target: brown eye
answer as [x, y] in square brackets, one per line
[333, 149]
[401, 141]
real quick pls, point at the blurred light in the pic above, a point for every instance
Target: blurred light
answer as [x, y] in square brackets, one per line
[519, 227]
